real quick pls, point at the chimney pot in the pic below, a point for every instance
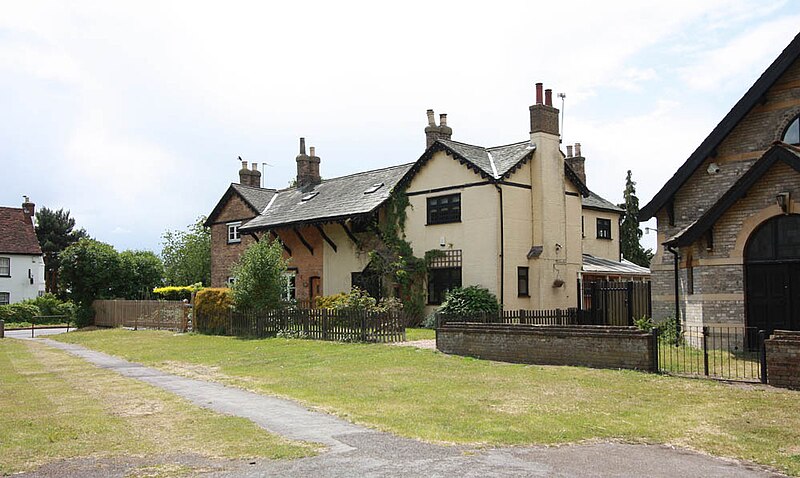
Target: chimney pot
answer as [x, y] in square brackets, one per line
[254, 166]
[569, 151]
[539, 93]
[302, 146]
[311, 150]
[431, 119]
[443, 119]
[548, 97]
[244, 164]
[577, 149]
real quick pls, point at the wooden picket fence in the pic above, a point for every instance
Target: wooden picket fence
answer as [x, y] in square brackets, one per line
[319, 324]
[142, 314]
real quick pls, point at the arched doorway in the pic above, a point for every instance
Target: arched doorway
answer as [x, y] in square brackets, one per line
[772, 274]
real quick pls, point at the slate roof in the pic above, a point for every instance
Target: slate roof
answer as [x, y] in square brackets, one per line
[496, 161]
[778, 152]
[335, 199]
[593, 201]
[598, 265]
[17, 235]
[750, 99]
[257, 198]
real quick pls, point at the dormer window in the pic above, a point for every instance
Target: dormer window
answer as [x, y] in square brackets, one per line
[792, 133]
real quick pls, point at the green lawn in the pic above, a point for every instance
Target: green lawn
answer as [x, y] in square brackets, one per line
[55, 406]
[420, 334]
[436, 397]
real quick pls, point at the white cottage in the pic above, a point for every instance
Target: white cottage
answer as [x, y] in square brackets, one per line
[21, 259]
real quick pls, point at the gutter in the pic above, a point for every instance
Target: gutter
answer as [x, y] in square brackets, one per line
[502, 261]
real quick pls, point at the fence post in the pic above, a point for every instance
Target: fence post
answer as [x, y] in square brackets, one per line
[649, 299]
[364, 326]
[33, 321]
[705, 350]
[654, 335]
[2, 329]
[629, 298]
[762, 354]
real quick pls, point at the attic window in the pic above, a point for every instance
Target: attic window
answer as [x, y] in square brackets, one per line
[373, 188]
[792, 133]
[309, 196]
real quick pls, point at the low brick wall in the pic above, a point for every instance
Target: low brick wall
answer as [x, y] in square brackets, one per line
[590, 346]
[783, 359]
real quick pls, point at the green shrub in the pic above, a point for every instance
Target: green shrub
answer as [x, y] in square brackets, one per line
[645, 323]
[84, 316]
[212, 308]
[50, 305]
[177, 292]
[358, 299]
[19, 312]
[668, 329]
[470, 300]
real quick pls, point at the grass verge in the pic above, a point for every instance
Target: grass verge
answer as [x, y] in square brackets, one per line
[56, 406]
[420, 334]
[436, 397]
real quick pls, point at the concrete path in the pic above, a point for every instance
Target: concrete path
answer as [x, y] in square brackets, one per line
[357, 451]
[26, 333]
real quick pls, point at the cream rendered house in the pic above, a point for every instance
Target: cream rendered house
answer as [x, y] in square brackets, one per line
[508, 218]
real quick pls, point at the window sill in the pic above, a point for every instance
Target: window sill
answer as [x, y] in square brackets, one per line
[605, 238]
[437, 223]
[235, 242]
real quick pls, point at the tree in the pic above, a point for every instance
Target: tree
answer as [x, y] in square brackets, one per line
[629, 232]
[89, 270]
[140, 273]
[187, 255]
[55, 231]
[259, 276]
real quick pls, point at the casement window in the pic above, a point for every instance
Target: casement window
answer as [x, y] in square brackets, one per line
[603, 228]
[792, 133]
[5, 298]
[444, 209]
[290, 287]
[233, 232]
[522, 281]
[5, 267]
[444, 273]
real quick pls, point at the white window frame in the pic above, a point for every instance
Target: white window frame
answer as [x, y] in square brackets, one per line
[230, 281]
[234, 236]
[291, 286]
[5, 298]
[7, 260]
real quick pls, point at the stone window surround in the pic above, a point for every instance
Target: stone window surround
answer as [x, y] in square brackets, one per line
[234, 237]
[794, 124]
[5, 267]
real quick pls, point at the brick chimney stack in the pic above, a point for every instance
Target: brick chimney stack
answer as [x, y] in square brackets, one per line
[307, 167]
[544, 118]
[577, 161]
[250, 177]
[28, 208]
[434, 132]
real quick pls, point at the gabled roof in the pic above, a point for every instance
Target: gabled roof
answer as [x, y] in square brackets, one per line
[778, 152]
[593, 201]
[332, 200]
[598, 265]
[756, 92]
[17, 235]
[255, 198]
[494, 163]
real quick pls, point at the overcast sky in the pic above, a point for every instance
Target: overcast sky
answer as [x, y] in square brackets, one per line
[132, 115]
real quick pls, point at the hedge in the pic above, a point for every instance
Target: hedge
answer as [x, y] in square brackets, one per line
[176, 292]
[19, 313]
[212, 308]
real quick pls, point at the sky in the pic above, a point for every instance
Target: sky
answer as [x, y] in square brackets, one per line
[131, 114]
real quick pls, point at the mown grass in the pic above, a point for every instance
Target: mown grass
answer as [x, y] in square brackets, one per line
[436, 397]
[420, 334]
[55, 406]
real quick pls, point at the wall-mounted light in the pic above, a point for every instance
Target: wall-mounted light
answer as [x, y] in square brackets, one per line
[442, 242]
[783, 200]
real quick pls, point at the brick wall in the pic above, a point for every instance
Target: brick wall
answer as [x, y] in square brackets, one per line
[224, 255]
[595, 346]
[783, 359]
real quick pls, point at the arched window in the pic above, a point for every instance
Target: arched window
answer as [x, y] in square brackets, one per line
[792, 134]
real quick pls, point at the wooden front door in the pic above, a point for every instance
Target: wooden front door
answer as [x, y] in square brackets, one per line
[772, 275]
[314, 290]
